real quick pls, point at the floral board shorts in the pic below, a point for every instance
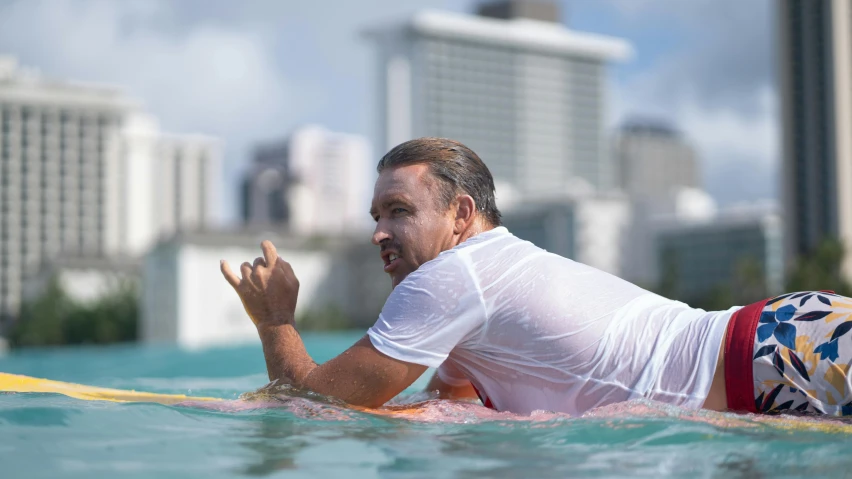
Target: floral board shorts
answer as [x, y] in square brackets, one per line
[791, 353]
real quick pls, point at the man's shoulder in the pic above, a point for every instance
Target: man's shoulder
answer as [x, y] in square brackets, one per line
[464, 260]
[492, 239]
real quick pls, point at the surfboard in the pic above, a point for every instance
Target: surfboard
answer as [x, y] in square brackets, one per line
[27, 384]
[16, 383]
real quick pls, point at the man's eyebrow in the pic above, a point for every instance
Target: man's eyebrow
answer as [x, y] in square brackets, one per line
[387, 202]
[394, 199]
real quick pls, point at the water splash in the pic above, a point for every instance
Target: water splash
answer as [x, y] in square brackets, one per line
[425, 408]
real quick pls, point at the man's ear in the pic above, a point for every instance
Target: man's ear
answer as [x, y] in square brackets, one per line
[465, 211]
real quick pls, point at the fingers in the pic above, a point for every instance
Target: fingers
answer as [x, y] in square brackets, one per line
[255, 274]
[285, 266]
[245, 270]
[288, 271]
[229, 275]
[269, 253]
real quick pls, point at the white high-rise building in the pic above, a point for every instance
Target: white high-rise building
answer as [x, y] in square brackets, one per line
[59, 163]
[314, 182]
[527, 94]
[73, 179]
[169, 183]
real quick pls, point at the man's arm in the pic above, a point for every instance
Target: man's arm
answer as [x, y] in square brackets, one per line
[361, 375]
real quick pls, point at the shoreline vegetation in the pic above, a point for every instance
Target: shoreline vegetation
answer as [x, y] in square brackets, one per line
[820, 270]
[55, 319]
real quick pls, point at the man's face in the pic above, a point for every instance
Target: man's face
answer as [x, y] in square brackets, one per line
[412, 226]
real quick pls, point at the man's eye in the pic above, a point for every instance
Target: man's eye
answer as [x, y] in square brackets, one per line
[397, 211]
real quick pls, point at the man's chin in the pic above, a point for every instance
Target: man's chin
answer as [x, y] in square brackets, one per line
[396, 279]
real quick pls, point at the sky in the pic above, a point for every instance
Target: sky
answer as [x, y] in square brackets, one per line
[252, 71]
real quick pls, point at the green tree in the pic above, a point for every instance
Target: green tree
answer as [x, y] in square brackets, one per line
[669, 274]
[746, 285]
[40, 321]
[820, 270]
[54, 319]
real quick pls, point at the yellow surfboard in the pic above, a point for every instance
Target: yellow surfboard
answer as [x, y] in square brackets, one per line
[26, 384]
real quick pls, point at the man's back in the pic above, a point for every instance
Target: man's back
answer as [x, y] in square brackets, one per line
[532, 330]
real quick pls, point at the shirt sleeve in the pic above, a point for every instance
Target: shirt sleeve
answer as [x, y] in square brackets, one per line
[429, 313]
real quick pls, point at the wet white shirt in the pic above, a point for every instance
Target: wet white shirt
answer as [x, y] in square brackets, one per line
[532, 330]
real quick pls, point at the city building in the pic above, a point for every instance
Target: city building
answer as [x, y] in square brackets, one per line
[648, 217]
[588, 229]
[815, 67]
[659, 171]
[85, 280]
[654, 159]
[75, 183]
[697, 259]
[168, 183]
[315, 182]
[59, 163]
[526, 93]
[185, 299]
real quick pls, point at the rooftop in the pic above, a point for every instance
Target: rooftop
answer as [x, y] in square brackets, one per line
[20, 84]
[650, 127]
[547, 11]
[515, 33]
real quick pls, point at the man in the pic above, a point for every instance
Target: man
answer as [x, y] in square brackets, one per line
[524, 329]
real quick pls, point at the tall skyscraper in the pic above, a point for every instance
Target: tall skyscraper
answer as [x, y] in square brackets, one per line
[59, 157]
[313, 182]
[654, 159]
[815, 67]
[526, 93]
[73, 181]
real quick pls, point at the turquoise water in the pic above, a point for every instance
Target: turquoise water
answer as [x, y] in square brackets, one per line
[44, 435]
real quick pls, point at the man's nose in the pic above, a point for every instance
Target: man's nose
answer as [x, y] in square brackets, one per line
[380, 234]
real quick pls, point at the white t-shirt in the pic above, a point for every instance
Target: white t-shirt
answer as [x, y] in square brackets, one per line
[532, 330]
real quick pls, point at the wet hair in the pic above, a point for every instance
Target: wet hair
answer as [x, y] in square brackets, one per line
[457, 169]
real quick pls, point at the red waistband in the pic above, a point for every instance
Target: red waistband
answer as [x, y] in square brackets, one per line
[739, 351]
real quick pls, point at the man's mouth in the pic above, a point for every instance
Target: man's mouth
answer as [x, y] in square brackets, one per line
[390, 262]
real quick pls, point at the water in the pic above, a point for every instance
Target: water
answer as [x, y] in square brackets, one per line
[44, 435]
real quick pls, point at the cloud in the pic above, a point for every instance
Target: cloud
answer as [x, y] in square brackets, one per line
[207, 78]
[204, 77]
[251, 71]
[716, 85]
[244, 71]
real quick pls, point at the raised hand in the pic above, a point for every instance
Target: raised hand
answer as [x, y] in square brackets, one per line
[268, 288]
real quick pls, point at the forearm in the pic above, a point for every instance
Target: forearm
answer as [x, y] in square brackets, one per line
[360, 375]
[286, 357]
